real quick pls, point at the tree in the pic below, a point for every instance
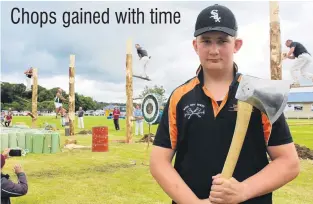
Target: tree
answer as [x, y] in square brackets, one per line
[14, 96]
[158, 90]
[6, 93]
[46, 105]
[16, 106]
[89, 104]
[45, 95]
[18, 89]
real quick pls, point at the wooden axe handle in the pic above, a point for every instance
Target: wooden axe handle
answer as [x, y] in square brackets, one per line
[244, 111]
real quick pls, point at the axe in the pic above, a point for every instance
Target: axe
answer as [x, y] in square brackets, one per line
[269, 96]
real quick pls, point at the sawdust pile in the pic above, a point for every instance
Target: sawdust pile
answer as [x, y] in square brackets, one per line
[304, 152]
[85, 132]
[145, 138]
[70, 141]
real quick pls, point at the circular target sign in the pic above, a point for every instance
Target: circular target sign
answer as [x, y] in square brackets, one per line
[150, 109]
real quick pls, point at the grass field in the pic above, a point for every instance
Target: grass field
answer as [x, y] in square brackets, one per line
[83, 177]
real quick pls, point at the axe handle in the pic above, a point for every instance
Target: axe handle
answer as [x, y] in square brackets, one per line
[244, 111]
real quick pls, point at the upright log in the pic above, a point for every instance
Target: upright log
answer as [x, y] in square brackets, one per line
[129, 92]
[71, 105]
[275, 42]
[34, 97]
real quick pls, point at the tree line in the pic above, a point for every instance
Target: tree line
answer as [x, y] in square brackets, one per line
[14, 96]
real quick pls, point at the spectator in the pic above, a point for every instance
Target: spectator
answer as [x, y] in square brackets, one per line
[139, 120]
[8, 118]
[81, 117]
[116, 115]
[9, 188]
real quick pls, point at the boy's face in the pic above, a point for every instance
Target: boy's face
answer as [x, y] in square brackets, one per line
[216, 49]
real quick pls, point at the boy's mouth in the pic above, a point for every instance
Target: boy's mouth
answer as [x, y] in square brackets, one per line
[214, 60]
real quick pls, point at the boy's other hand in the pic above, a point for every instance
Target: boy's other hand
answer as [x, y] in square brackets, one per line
[18, 169]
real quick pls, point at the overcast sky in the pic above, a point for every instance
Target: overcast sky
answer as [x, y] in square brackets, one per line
[100, 50]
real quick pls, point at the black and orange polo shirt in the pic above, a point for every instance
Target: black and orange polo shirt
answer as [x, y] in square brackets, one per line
[200, 131]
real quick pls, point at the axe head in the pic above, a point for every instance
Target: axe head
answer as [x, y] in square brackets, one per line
[269, 96]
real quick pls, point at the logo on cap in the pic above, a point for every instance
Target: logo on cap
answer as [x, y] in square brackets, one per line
[215, 16]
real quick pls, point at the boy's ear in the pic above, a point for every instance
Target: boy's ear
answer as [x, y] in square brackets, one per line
[238, 44]
[195, 46]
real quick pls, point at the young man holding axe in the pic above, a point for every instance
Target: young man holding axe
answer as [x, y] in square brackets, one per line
[199, 124]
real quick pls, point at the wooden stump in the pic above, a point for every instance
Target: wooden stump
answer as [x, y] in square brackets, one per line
[275, 42]
[129, 93]
[34, 97]
[71, 105]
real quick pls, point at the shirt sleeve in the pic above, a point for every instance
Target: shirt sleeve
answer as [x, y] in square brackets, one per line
[162, 137]
[293, 44]
[278, 133]
[10, 189]
[139, 52]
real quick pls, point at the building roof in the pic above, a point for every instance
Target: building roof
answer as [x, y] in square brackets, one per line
[300, 97]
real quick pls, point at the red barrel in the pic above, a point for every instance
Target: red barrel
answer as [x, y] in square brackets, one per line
[100, 139]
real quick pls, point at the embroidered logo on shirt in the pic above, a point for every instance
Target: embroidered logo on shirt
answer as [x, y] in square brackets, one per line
[194, 109]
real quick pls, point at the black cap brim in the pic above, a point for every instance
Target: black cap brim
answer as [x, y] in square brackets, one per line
[228, 31]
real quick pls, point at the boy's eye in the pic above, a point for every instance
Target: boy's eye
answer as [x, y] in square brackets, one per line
[206, 41]
[219, 41]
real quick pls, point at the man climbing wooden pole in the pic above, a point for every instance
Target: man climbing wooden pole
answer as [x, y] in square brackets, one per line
[71, 105]
[275, 42]
[129, 92]
[34, 97]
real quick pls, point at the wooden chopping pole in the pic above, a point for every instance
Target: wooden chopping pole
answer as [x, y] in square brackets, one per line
[275, 42]
[34, 97]
[71, 106]
[129, 92]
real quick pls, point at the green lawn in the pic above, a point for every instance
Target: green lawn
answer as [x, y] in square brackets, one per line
[302, 131]
[83, 177]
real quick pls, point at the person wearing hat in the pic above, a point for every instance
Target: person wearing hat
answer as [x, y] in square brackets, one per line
[198, 123]
[9, 188]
